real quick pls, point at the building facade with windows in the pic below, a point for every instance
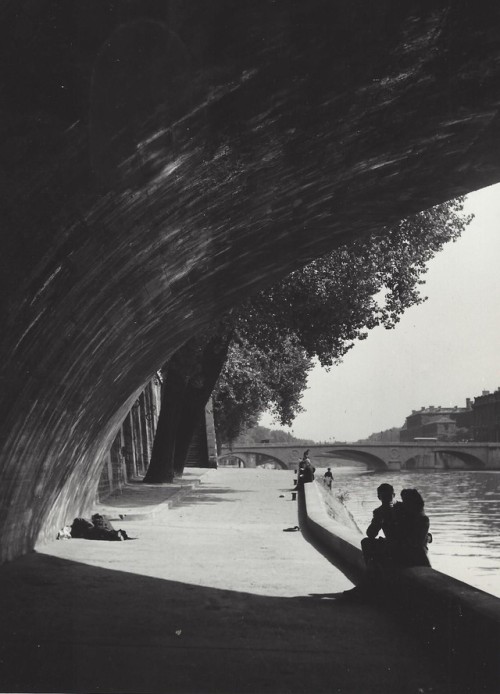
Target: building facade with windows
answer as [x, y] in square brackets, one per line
[439, 423]
[486, 416]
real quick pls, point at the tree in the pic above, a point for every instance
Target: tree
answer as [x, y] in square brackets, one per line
[258, 375]
[188, 380]
[320, 311]
[268, 345]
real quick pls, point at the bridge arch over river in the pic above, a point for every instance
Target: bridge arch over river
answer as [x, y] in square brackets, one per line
[163, 160]
[253, 459]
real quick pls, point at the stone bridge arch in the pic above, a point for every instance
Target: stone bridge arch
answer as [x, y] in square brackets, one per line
[370, 459]
[250, 459]
[110, 263]
[281, 464]
[240, 457]
[472, 460]
[251, 456]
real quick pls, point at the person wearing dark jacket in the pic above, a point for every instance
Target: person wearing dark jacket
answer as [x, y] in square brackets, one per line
[405, 530]
[306, 470]
[328, 478]
[413, 530]
[377, 551]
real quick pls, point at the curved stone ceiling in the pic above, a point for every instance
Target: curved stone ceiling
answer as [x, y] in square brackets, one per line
[161, 160]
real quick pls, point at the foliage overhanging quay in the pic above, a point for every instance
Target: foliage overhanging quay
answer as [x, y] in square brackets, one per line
[320, 311]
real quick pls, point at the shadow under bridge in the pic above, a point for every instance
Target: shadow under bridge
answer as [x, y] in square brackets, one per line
[246, 459]
[368, 458]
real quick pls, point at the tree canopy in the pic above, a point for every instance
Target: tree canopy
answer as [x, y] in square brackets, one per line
[256, 377]
[320, 311]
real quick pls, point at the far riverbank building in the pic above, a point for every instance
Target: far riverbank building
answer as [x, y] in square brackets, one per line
[486, 416]
[478, 421]
[440, 423]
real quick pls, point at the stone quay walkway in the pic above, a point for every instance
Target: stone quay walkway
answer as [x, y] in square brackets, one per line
[216, 594]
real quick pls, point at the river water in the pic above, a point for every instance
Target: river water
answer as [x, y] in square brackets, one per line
[464, 512]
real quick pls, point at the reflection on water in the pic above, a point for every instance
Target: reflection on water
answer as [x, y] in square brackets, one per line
[464, 512]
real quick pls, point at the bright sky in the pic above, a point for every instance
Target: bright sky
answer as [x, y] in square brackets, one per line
[441, 352]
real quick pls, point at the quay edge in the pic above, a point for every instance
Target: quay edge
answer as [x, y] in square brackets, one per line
[457, 621]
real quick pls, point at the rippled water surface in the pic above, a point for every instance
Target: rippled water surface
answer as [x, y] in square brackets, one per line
[464, 512]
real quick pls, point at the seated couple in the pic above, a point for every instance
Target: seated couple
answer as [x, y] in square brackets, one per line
[406, 533]
[405, 528]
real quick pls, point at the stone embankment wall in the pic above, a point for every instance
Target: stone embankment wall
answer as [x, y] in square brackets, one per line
[459, 622]
[130, 452]
[335, 505]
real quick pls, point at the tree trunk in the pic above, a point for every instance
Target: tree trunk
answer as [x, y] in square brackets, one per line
[161, 467]
[196, 398]
[192, 416]
[189, 379]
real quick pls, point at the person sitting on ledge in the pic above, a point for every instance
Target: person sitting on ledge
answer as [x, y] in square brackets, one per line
[306, 470]
[413, 531]
[404, 545]
[378, 551]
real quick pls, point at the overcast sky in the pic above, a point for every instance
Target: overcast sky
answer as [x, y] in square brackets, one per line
[441, 352]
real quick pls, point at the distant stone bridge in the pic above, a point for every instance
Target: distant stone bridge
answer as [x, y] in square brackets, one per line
[433, 455]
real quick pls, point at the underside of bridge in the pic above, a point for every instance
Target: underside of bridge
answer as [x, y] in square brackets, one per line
[371, 460]
[448, 460]
[160, 160]
[253, 460]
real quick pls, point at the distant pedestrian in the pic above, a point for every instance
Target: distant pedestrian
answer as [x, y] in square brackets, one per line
[328, 478]
[306, 470]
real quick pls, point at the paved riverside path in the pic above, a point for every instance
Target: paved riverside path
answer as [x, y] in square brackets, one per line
[212, 596]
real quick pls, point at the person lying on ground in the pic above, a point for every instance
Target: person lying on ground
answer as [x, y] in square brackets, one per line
[99, 528]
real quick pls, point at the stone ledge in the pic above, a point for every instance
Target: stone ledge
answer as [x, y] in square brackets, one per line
[459, 621]
[343, 541]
